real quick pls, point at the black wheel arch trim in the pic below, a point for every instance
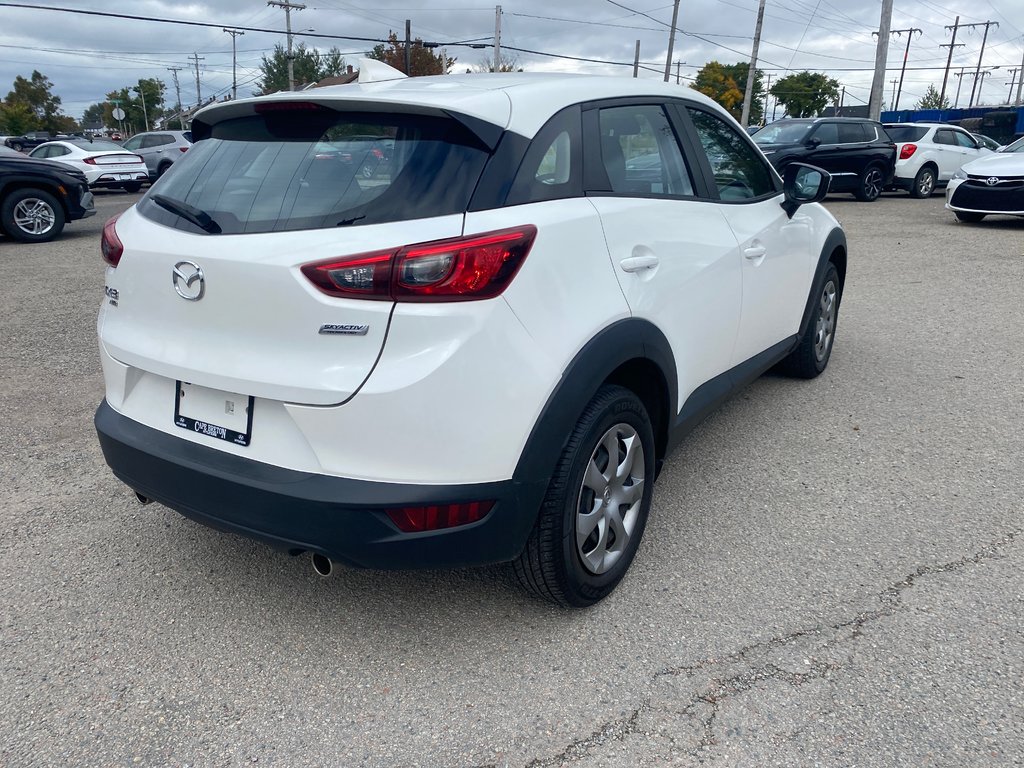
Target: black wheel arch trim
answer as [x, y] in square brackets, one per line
[617, 344]
[834, 243]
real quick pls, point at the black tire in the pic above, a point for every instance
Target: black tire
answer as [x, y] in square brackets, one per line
[164, 168]
[924, 183]
[32, 216]
[870, 183]
[132, 186]
[968, 217]
[17, 147]
[812, 354]
[552, 564]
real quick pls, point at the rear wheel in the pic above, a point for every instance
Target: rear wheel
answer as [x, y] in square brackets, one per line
[812, 354]
[596, 507]
[968, 217]
[132, 186]
[32, 216]
[924, 183]
[870, 183]
[16, 146]
[164, 167]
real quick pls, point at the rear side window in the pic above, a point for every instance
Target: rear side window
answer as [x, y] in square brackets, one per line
[852, 133]
[945, 137]
[551, 168]
[320, 169]
[740, 173]
[964, 140]
[902, 133]
[826, 133]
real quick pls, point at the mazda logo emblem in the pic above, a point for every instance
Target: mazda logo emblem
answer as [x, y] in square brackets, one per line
[189, 281]
[992, 181]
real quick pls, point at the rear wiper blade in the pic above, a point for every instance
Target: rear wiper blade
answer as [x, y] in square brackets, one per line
[200, 218]
[350, 222]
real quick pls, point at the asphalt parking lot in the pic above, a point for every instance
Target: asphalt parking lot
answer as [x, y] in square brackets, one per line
[832, 573]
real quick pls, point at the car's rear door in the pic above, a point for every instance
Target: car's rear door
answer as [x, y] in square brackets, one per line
[671, 249]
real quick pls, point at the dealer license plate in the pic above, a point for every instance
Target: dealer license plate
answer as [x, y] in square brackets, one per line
[214, 413]
[124, 176]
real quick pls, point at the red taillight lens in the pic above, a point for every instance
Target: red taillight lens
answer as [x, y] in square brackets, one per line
[907, 150]
[89, 160]
[459, 269]
[183, 149]
[110, 244]
[433, 518]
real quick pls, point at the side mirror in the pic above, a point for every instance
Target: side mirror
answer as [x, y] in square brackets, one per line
[813, 143]
[802, 183]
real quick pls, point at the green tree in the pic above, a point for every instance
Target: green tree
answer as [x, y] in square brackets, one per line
[36, 95]
[805, 94]
[308, 64]
[16, 119]
[93, 115]
[932, 100]
[727, 83]
[130, 99]
[422, 60]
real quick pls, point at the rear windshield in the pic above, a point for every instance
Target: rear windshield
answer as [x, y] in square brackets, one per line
[900, 133]
[782, 133]
[318, 169]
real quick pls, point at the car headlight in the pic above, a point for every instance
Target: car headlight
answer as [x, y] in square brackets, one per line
[960, 174]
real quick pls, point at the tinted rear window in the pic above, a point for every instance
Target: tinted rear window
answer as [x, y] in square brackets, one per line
[301, 170]
[900, 133]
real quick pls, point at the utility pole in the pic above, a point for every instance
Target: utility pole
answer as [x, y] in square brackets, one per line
[288, 8]
[1020, 82]
[842, 102]
[910, 36]
[636, 60]
[767, 91]
[892, 103]
[196, 58]
[981, 56]
[949, 59]
[881, 56]
[177, 90]
[982, 75]
[960, 81]
[671, 39]
[1013, 82]
[752, 70]
[497, 38]
[234, 62]
[408, 47]
[142, 95]
[678, 64]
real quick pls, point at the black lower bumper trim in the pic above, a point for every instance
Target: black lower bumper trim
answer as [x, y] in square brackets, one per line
[341, 518]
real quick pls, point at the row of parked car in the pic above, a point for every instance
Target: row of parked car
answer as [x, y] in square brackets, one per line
[41, 191]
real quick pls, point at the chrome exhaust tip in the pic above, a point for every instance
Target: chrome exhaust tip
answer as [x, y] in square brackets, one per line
[142, 499]
[322, 564]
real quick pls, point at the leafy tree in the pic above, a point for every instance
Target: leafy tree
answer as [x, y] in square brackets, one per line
[805, 94]
[308, 65]
[506, 63]
[130, 99]
[16, 119]
[727, 83]
[94, 115]
[36, 95]
[422, 60]
[932, 100]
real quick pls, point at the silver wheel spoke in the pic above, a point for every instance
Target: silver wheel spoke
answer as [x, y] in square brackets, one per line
[626, 467]
[594, 479]
[631, 494]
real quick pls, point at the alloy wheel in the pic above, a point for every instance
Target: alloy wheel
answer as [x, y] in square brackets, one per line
[826, 325]
[872, 183]
[610, 498]
[34, 216]
[927, 184]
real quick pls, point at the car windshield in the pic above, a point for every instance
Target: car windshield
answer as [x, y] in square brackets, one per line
[96, 145]
[782, 133]
[1017, 146]
[291, 170]
[902, 133]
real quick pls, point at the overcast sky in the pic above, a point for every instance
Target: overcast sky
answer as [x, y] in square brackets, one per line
[86, 57]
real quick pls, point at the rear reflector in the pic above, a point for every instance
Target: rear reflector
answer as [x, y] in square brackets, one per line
[433, 518]
[460, 269]
[110, 243]
[907, 150]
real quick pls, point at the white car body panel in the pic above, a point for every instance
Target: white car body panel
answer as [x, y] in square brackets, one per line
[999, 165]
[945, 157]
[110, 167]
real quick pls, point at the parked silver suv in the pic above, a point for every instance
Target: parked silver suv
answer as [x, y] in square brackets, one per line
[159, 149]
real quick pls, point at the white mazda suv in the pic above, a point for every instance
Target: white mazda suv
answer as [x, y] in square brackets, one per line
[484, 351]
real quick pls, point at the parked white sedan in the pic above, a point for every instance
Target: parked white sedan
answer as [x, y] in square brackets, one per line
[104, 163]
[992, 185]
[928, 154]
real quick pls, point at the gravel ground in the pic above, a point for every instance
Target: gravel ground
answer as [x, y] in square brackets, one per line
[831, 574]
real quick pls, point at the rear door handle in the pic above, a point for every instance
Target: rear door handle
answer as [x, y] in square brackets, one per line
[754, 251]
[638, 263]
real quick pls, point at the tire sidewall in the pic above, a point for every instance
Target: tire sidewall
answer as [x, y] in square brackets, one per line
[916, 188]
[15, 232]
[831, 273]
[625, 408]
[862, 192]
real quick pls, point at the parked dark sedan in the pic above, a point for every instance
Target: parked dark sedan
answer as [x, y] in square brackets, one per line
[38, 197]
[858, 153]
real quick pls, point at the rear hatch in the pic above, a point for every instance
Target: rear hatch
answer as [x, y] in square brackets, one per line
[249, 206]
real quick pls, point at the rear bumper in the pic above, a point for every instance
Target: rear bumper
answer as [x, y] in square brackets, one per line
[341, 518]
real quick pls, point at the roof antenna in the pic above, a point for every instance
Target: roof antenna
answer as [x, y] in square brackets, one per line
[373, 71]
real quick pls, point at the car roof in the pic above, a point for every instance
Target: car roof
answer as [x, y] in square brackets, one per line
[518, 101]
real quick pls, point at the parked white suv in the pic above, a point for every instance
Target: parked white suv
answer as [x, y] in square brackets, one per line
[928, 154]
[482, 353]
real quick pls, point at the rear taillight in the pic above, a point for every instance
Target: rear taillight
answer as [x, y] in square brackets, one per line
[89, 160]
[432, 518]
[183, 149]
[907, 150]
[110, 244]
[460, 269]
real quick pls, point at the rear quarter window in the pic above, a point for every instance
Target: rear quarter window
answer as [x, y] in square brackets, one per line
[902, 133]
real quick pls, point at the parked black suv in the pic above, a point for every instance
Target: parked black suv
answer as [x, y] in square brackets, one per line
[28, 141]
[37, 197]
[858, 153]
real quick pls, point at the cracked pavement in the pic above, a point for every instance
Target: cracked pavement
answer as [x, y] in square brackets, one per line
[831, 574]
